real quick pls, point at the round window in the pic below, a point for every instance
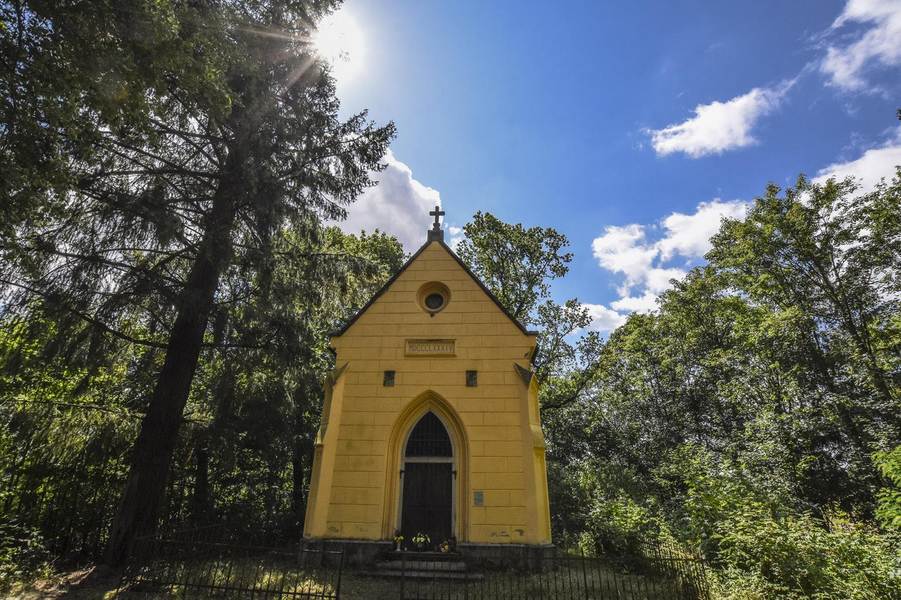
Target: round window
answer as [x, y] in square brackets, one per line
[433, 297]
[434, 301]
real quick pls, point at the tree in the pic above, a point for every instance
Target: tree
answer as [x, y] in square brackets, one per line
[171, 142]
[566, 369]
[743, 416]
[268, 398]
[831, 254]
[244, 450]
[518, 265]
[515, 263]
[889, 497]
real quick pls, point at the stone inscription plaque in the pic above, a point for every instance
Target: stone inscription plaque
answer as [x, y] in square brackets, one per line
[430, 347]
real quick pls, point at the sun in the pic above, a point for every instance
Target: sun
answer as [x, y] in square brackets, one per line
[339, 41]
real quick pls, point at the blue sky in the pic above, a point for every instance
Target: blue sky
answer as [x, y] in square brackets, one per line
[631, 127]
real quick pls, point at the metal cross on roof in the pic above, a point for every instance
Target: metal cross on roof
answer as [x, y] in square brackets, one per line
[436, 213]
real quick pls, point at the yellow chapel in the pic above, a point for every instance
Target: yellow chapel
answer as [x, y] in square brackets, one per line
[430, 422]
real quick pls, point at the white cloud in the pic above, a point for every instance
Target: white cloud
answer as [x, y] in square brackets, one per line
[604, 319]
[719, 126]
[870, 167]
[626, 250]
[657, 280]
[647, 264]
[880, 43]
[622, 250]
[644, 303]
[725, 125]
[455, 236]
[689, 235]
[398, 204]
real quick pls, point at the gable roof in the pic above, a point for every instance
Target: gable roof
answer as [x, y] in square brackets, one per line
[460, 262]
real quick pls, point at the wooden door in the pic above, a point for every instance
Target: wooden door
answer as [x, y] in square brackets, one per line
[428, 482]
[427, 501]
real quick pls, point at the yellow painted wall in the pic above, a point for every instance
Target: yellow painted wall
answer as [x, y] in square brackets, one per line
[495, 427]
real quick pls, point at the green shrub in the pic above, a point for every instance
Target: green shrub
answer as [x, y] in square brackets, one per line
[796, 556]
[888, 510]
[22, 554]
[763, 546]
[617, 526]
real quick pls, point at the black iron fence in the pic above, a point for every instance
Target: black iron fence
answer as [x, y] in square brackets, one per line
[678, 563]
[211, 562]
[69, 502]
[557, 576]
[191, 564]
[70, 507]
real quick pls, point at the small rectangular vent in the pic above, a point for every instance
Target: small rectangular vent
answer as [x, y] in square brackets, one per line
[472, 378]
[388, 380]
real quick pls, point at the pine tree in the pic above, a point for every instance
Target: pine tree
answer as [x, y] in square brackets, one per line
[150, 151]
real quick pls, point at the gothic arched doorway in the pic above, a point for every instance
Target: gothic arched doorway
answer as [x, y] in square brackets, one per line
[428, 482]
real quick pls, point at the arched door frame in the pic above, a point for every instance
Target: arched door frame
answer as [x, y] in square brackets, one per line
[406, 460]
[403, 426]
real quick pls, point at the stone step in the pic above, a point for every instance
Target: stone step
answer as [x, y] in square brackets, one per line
[420, 574]
[422, 565]
[411, 556]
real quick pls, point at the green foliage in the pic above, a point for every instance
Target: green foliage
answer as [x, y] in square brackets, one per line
[244, 455]
[746, 414]
[518, 265]
[162, 161]
[759, 401]
[888, 510]
[796, 556]
[617, 526]
[23, 554]
[819, 250]
[65, 428]
[515, 263]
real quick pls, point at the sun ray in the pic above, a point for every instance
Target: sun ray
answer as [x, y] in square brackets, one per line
[339, 41]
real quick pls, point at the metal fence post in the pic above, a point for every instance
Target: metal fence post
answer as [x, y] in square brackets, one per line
[340, 571]
[403, 573]
[465, 580]
[584, 574]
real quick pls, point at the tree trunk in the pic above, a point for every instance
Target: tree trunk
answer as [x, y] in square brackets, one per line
[152, 452]
[200, 499]
[298, 499]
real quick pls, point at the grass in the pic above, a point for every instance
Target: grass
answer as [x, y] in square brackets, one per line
[87, 583]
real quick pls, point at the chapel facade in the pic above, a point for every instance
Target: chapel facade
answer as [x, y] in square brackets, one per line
[430, 422]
